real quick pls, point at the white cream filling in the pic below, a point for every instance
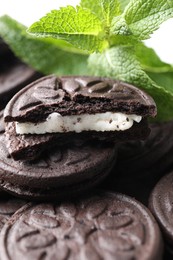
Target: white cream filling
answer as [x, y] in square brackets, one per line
[55, 123]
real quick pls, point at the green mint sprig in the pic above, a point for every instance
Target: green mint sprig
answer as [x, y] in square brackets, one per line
[102, 37]
[97, 26]
[119, 29]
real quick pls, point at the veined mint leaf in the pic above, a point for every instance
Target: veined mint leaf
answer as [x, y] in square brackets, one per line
[143, 17]
[44, 55]
[78, 26]
[106, 10]
[121, 63]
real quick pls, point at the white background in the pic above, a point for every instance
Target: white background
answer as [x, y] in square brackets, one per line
[29, 11]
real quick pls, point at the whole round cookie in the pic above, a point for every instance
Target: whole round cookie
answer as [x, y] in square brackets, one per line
[102, 225]
[161, 205]
[60, 172]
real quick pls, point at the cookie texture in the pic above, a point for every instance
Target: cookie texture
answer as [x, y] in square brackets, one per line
[100, 226]
[59, 173]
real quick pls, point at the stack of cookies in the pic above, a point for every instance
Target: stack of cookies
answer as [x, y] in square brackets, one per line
[68, 146]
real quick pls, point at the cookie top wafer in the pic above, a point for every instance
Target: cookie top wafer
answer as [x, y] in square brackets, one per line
[100, 226]
[76, 96]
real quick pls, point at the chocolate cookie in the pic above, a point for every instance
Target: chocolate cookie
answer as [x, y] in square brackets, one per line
[14, 74]
[140, 164]
[161, 205]
[88, 107]
[101, 226]
[59, 173]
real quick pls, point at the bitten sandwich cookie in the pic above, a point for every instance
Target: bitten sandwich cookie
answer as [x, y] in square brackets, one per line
[87, 107]
[101, 226]
[59, 173]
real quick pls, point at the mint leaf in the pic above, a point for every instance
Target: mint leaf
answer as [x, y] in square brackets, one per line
[121, 63]
[157, 70]
[164, 79]
[150, 61]
[45, 55]
[143, 17]
[78, 26]
[104, 9]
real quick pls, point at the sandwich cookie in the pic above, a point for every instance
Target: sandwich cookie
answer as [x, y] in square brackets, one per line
[59, 173]
[87, 107]
[102, 225]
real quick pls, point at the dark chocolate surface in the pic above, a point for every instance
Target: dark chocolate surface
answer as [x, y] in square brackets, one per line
[59, 172]
[101, 226]
[77, 95]
[161, 205]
